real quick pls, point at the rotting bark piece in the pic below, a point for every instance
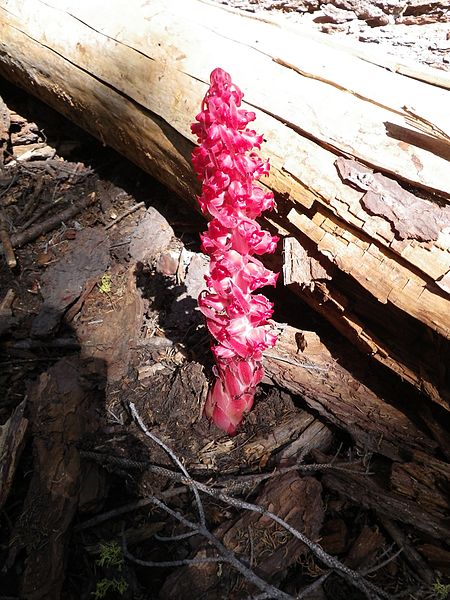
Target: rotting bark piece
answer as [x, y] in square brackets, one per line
[295, 499]
[111, 339]
[365, 547]
[336, 15]
[257, 540]
[183, 403]
[151, 237]
[6, 317]
[12, 440]
[317, 436]
[410, 216]
[438, 557]
[183, 313]
[62, 282]
[259, 450]
[299, 266]
[436, 424]
[294, 436]
[61, 413]
[362, 551]
[5, 123]
[361, 8]
[420, 569]
[426, 484]
[366, 492]
[5, 239]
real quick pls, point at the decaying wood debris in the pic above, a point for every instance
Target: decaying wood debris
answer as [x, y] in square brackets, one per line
[62, 411]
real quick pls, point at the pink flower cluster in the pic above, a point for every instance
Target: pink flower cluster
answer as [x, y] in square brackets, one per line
[236, 318]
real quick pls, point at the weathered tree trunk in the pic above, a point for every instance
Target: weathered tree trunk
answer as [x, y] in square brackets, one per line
[413, 489]
[359, 154]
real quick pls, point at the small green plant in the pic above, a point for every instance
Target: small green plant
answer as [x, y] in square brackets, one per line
[109, 585]
[441, 590]
[110, 557]
[105, 284]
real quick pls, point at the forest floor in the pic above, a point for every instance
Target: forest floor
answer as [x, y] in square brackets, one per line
[104, 370]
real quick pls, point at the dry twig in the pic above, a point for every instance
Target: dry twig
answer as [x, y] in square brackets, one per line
[121, 510]
[225, 554]
[371, 591]
[419, 568]
[19, 239]
[188, 480]
[234, 483]
[125, 214]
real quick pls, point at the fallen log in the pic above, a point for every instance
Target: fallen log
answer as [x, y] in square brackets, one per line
[359, 154]
[414, 492]
[369, 493]
[302, 364]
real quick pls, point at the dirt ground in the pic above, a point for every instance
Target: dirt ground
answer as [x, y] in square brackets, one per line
[105, 359]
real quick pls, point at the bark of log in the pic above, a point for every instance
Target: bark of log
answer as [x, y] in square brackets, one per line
[414, 491]
[61, 410]
[303, 365]
[373, 495]
[359, 154]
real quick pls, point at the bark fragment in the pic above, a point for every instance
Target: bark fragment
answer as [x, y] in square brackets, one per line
[62, 412]
[410, 216]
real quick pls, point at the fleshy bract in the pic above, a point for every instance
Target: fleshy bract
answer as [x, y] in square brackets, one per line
[237, 319]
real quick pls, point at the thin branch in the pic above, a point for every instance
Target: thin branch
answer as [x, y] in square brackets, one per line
[243, 481]
[371, 590]
[327, 559]
[225, 554]
[313, 586]
[19, 239]
[189, 481]
[107, 459]
[130, 211]
[170, 563]
[126, 508]
[419, 567]
[235, 483]
[330, 561]
[380, 565]
[175, 538]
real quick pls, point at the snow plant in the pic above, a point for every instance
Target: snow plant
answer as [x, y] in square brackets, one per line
[237, 319]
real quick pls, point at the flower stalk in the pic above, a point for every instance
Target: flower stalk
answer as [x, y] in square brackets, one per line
[237, 319]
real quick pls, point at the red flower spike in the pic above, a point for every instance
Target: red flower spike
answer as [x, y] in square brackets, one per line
[237, 320]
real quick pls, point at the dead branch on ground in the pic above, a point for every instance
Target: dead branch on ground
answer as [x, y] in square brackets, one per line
[19, 239]
[355, 578]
